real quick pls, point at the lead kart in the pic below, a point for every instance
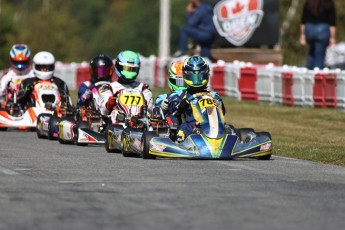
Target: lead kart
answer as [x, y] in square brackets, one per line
[211, 138]
[44, 93]
[128, 121]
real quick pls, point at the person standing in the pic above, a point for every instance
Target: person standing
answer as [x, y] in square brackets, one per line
[318, 30]
[200, 28]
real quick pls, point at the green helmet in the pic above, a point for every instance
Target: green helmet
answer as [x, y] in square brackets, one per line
[175, 80]
[127, 66]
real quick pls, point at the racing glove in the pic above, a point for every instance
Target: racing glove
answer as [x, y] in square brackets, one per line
[184, 104]
[165, 104]
[111, 103]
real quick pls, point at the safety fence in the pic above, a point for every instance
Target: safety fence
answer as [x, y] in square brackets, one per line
[286, 85]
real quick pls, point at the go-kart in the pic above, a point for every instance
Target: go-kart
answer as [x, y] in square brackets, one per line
[128, 121]
[24, 117]
[87, 125]
[85, 129]
[211, 138]
[47, 123]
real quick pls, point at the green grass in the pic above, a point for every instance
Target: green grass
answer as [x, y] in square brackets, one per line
[316, 134]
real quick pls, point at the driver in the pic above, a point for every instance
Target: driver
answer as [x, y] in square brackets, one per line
[101, 69]
[175, 83]
[196, 73]
[127, 66]
[20, 69]
[44, 66]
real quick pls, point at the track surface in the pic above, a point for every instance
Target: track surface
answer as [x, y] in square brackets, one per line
[46, 185]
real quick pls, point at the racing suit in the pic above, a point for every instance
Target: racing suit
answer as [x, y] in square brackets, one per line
[88, 93]
[28, 85]
[12, 80]
[179, 106]
[107, 92]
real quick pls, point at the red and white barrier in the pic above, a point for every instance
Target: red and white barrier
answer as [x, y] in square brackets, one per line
[287, 85]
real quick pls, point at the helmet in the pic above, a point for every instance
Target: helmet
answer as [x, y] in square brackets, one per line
[20, 57]
[101, 68]
[175, 80]
[127, 66]
[196, 72]
[44, 65]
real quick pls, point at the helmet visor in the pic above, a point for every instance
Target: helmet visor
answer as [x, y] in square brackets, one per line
[44, 68]
[195, 78]
[130, 68]
[102, 71]
[21, 65]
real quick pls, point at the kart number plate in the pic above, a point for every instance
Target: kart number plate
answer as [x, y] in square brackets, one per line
[132, 99]
[207, 102]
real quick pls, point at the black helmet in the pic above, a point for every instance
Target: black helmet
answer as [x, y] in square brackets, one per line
[101, 68]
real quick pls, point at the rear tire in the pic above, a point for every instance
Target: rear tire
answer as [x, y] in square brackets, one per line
[147, 136]
[3, 129]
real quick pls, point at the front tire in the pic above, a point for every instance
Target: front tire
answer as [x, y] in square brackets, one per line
[53, 122]
[147, 136]
[39, 135]
[107, 142]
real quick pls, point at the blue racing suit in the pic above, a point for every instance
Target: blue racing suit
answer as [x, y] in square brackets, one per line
[178, 106]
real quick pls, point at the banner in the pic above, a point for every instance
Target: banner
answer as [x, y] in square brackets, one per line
[246, 23]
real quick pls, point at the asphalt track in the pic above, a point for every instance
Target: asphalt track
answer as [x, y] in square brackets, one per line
[46, 185]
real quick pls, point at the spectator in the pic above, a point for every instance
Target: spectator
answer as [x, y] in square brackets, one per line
[318, 30]
[200, 28]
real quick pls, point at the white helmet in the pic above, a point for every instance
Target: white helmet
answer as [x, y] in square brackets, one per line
[44, 65]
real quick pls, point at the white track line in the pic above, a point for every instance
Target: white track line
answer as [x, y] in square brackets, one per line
[8, 171]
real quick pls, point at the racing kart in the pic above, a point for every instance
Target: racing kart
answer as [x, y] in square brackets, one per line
[47, 123]
[128, 121]
[24, 117]
[86, 127]
[211, 138]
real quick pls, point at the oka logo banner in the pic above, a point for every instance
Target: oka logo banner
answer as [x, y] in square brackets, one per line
[236, 20]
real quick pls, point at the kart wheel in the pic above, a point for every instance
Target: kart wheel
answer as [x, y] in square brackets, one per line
[39, 135]
[3, 128]
[147, 136]
[107, 143]
[62, 141]
[81, 124]
[264, 134]
[124, 146]
[243, 134]
[53, 122]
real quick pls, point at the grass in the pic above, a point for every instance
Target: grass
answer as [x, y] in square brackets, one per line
[315, 134]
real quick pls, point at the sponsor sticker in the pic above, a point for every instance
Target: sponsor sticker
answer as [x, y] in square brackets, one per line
[266, 146]
[157, 147]
[237, 20]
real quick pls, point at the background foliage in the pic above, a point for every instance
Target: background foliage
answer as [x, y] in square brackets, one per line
[78, 29]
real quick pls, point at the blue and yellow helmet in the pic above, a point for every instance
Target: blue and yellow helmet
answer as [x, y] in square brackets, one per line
[196, 72]
[127, 66]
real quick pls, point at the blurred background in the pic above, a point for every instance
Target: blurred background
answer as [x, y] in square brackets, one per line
[76, 30]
